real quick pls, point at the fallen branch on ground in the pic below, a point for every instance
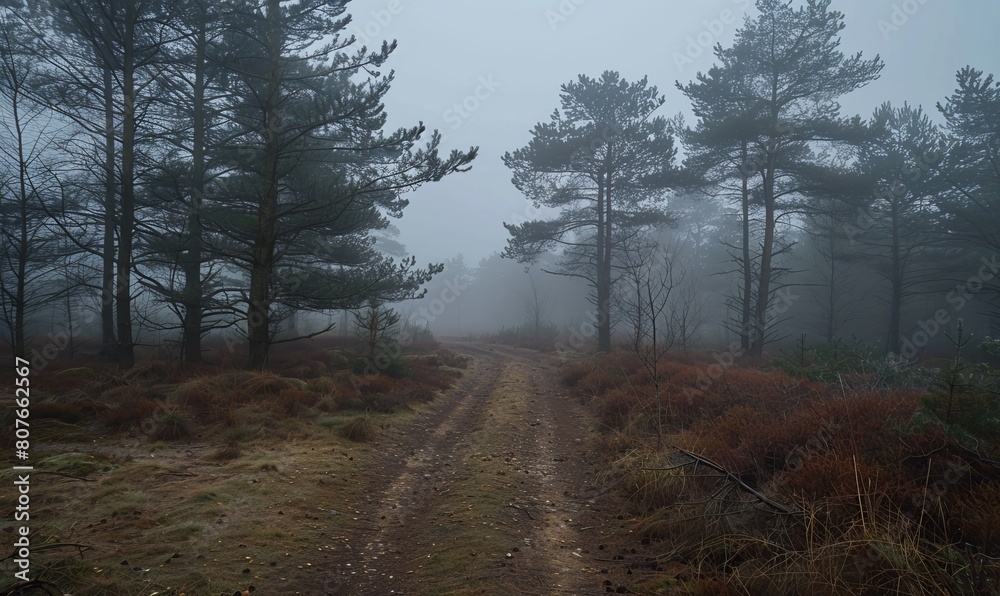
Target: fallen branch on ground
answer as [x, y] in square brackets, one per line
[699, 459]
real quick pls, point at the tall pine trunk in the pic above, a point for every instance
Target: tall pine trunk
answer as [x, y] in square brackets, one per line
[603, 279]
[896, 281]
[604, 259]
[767, 250]
[123, 296]
[831, 315]
[262, 265]
[192, 249]
[24, 239]
[746, 302]
[109, 345]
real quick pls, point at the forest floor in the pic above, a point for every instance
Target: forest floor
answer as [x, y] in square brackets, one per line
[492, 488]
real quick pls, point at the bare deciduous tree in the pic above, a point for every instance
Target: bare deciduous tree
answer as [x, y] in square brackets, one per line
[650, 275]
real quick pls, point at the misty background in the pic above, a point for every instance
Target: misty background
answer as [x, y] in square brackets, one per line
[524, 50]
[447, 47]
[481, 74]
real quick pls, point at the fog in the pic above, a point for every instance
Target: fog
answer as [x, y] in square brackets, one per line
[486, 74]
[172, 223]
[447, 48]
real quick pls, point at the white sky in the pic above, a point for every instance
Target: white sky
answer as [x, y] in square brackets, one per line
[517, 53]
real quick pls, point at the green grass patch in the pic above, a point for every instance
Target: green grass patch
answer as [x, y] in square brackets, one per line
[76, 464]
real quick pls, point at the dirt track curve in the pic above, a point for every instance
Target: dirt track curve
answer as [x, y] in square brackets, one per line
[493, 492]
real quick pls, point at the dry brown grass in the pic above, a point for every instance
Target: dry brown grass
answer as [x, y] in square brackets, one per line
[882, 498]
[359, 429]
[186, 471]
[128, 406]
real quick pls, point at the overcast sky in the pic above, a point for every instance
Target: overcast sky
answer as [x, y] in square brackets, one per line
[484, 72]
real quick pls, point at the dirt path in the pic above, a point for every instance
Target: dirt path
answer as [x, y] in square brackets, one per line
[491, 493]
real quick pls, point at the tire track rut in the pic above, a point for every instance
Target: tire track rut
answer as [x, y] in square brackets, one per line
[491, 493]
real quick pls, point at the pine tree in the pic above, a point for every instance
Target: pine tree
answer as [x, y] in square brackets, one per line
[968, 176]
[313, 172]
[605, 161]
[119, 43]
[27, 163]
[779, 84]
[902, 218]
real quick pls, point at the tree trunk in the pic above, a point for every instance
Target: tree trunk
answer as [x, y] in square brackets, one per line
[123, 296]
[764, 282]
[70, 325]
[192, 249]
[604, 324]
[108, 342]
[262, 266]
[603, 279]
[896, 281]
[831, 323]
[745, 306]
[24, 239]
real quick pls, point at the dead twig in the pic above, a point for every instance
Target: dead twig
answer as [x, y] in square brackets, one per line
[526, 512]
[698, 459]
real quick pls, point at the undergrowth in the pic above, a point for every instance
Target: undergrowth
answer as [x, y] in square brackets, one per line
[541, 337]
[838, 472]
[237, 423]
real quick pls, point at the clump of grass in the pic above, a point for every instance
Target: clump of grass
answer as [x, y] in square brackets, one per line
[574, 373]
[117, 502]
[54, 431]
[326, 403]
[170, 424]
[73, 379]
[323, 386]
[233, 438]
[293, 402]
[310, 369]
[217, 398]
[416, 393]
[227, 452]
[75, 464]
[377, 384]
[384, 404]
[77, 373]
[359, 429]
[127, 407]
